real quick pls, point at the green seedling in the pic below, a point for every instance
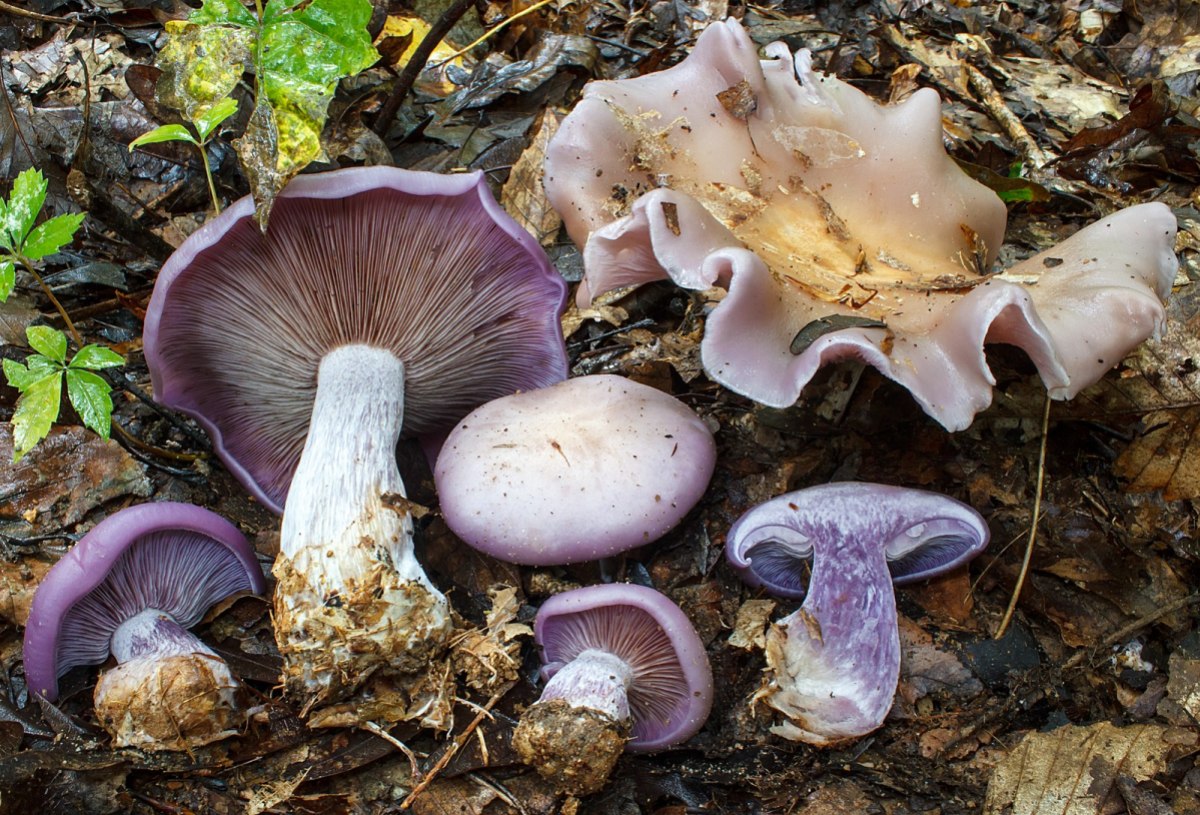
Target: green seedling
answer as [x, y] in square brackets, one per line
[40, 382]
[206, 124]
[40, 378]
[21, 243]
[297, 51]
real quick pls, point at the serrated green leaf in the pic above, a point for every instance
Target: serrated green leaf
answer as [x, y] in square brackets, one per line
[226, 12]
[89, 395]
[209, 121]
[8, 278]
[48, 341]
[163, 134]
[23, 378]
[202, 64]
[24, 203]
[37, 408]
[50, 236]
[96, 357]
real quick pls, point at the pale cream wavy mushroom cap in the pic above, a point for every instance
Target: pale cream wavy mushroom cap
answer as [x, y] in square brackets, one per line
[809, 201]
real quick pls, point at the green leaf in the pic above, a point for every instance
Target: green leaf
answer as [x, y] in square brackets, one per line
[89, 394]
[207, 122]
[24, 203]
[8, 278]
[96, 357]
[23, 378]
[202, 64]
[224, 12]
[6, 241]
[37, 408]
[50, 236]
[48, 341]
[162, 134]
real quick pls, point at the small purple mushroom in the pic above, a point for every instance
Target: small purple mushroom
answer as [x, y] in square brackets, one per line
[133, 586]
[833, 665]
[517, 475]
[626, 671]
[380, 300]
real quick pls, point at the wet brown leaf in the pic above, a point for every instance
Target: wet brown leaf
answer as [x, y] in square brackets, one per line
[523, 196]
[1073, 770]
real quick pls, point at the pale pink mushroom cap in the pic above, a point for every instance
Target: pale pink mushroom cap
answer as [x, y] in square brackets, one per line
[577, 471]
[806, 199]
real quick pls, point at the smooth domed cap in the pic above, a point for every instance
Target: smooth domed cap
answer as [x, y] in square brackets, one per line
[176, 558]
[672, 689]
[922, 534]
[578, 471]
[425, 265]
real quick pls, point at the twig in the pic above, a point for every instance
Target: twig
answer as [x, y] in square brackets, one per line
[32, 15]
[453, 749]
[416, 63]
[1126, 630]
[994, 103]
[1033, 525]
[496, 29]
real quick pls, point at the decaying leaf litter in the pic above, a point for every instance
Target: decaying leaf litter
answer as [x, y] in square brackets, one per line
[1087, 701]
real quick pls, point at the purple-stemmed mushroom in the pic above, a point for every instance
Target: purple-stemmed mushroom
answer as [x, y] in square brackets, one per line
[626, 672]
[380, 300]
[517, 474]
[840, 229]
[833, 665]
[132, 586]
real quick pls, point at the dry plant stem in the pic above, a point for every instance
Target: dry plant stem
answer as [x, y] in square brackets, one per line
[1033, 525]
[1127, 630]
[32, 15]
[416, 63]
[459, 741]
[496, 29]
[993, 102]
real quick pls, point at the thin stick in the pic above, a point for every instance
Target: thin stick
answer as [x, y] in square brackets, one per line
[32, 15]
[1033, 525]
[1126, 630]
[496, 29]
[994, 103]
[459, 741]
[416, 63]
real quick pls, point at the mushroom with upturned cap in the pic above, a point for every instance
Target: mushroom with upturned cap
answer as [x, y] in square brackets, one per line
[626, 671]
[518, 474]
[833, 665]
[379, 300]
[132, 586]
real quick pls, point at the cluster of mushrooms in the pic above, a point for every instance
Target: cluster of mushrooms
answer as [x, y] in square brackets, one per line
[383, 303]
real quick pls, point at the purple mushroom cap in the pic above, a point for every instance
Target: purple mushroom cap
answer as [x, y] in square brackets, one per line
[427, 266]
[672, 687]
[175, 558]
[833, 665]
[577, 471]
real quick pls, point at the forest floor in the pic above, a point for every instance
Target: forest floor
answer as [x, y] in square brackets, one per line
[1087, 703]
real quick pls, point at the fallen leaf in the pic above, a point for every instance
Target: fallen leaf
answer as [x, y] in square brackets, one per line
[750, 626]
[1073, 770]
[523, 195]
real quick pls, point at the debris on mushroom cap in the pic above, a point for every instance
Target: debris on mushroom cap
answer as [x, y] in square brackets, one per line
[379, 300]
[622, 662]
[132, 586]
[833, 665]
[841, 229]
[578, 471]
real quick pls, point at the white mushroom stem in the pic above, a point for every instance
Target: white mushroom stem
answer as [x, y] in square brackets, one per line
[596, 680]
[577, 730]
[170, 691]
[351, 597]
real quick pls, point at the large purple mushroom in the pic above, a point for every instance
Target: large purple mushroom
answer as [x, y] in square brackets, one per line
[132, 587]
[516, 475]
[626, 672]
[380, 301]
[833, 664]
